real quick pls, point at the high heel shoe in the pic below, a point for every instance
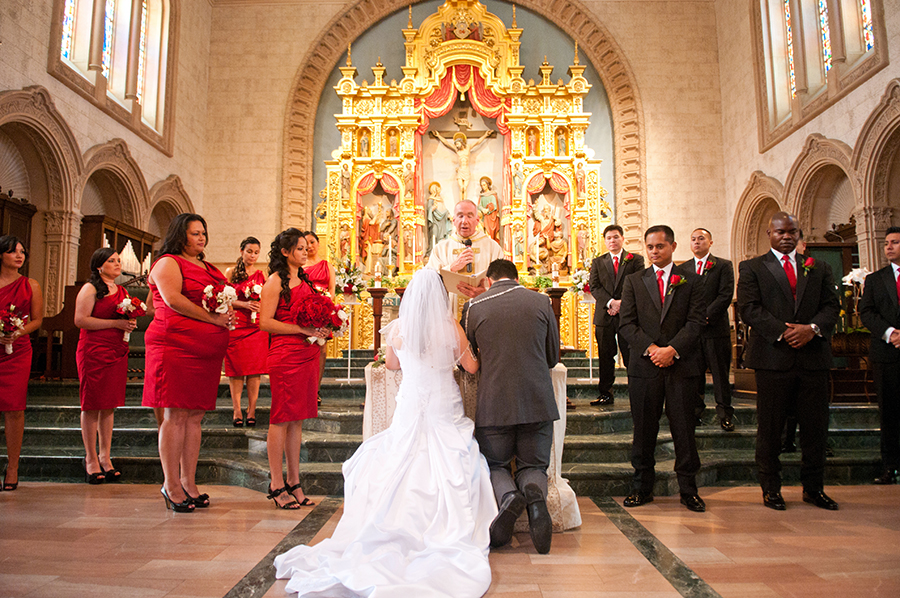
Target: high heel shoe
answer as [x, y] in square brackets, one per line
[93, 478]
[8, 487]
[303, 503]
[112, 474]
[290, 506]
[185, 506]
[201, 502]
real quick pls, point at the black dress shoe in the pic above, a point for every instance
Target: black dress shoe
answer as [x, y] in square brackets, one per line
[887, 477]
[773, 500]
[637, 498]
[538, 518]
[511, 507]
[789, 447]
[604, 399]
[727, 424]
[693, 503]
[820, 499]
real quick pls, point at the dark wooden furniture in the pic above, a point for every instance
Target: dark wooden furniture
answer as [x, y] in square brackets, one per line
[93, 231]
[15, 219]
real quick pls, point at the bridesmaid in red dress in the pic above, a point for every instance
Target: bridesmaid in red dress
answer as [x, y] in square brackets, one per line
[247, 344]
[185, 348]
[102, 359]
[293, 366]
[25, 294]
[321, 274]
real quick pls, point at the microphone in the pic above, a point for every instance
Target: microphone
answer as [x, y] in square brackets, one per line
[468, 243]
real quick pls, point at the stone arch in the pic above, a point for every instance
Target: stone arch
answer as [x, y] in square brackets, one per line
[821, 188]
[167, 199]
[570, 15]
[111, 170]
[876, 159]
[762, 197]
[53, 164]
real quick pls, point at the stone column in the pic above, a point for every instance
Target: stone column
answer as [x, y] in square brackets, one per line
[62, 236]
[871, 225]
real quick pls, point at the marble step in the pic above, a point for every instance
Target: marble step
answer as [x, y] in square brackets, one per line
[56, 390]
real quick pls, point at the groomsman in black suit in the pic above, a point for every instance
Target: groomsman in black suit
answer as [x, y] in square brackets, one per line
[608, 274]
[880, 313]
[791, 305]
[661, 315]
[717, 285]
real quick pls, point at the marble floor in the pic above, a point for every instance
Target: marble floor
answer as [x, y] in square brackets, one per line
[73, 540]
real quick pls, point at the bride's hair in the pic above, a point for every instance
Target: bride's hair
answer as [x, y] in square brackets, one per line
[425, 327]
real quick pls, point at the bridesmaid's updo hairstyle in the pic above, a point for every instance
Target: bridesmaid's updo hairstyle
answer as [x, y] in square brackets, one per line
[285, 240]
[97, 260]
[176, 236]
[239, 274]
[8, 244]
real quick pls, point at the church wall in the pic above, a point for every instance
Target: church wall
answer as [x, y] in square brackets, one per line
[842, 121]
[25, 30]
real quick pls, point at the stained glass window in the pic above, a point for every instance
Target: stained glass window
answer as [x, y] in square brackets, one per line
[826, 34]
[865, 11]
[68, 28]
[108, 24]
[142, 52]
[790, 46]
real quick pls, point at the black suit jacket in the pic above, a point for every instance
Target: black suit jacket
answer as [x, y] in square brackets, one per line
[766, 304]
[717, 288]
[879, 310]
[644, 321]
[517, 338]
[606, 284]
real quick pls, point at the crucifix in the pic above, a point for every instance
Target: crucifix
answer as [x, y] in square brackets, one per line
[461, 147]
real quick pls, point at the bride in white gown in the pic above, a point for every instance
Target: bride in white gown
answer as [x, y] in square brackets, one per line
[418, 502]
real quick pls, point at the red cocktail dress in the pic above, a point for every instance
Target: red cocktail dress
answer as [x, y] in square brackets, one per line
[247, 344]
[102, 358]
[293, 367]
[320, 275]
[184, 355]
[16, 367]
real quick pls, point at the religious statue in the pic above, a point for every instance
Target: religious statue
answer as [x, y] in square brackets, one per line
[370, 235]
[409, 178]
[409, 234]
[579, 179]
[364, 144]
[532, 143]
[462, 149]
[489, 208]
[390, 239]
[582, 242]
[346, 182]
[518, 178]
[558, 252]
[344, 241]
[561, 143]
[392, 143]
[438, 216]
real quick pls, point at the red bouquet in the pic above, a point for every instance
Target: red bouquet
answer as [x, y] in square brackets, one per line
[218, 298]
[10, 321]
[131, 308]
[318, 311]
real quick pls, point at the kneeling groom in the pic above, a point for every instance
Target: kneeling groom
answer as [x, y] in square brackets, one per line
[516, 335]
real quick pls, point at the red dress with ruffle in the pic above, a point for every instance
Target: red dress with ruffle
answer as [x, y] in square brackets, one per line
[184, 355]
[247, 344]
[293, 367]
[102, 358]
[16, 367]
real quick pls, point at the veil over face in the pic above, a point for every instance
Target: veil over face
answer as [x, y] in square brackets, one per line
[424, 330]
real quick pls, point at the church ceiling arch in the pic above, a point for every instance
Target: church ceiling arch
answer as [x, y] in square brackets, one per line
[570, 15]
[877, 148]
[763, 196]
[111, 166]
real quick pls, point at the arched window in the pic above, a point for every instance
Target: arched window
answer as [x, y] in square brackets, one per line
[809, 54]
[117, 54]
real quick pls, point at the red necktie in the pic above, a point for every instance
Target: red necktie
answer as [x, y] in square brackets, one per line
[898, 289]
[661, 285]
[791, 276]
[699, 268]
[616, 264]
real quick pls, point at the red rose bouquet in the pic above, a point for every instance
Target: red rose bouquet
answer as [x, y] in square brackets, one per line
[218, 298]
[131, 308]
[253, 292]
[318, 311]
[10, 321]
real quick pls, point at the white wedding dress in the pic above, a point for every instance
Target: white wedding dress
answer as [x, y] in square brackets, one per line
[418, 501]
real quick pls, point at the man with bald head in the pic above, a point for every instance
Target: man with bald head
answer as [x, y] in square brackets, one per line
[790, 303]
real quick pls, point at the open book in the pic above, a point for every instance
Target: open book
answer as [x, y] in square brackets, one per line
[451, 279]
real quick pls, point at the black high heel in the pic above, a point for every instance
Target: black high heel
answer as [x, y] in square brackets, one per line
[186, 506]
[112, 474]
[288, 506]
[93, 478]
[303, 503]
[8, 487]
[201, 502]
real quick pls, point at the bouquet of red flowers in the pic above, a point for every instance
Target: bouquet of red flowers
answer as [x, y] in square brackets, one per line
[218, 298]
[131, 308]
[318, 311]
[253, 292]
[10, 321]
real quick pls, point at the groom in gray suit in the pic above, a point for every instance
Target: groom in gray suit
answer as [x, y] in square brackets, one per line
[516, 336]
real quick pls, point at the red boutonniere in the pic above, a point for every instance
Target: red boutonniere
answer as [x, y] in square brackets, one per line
[628, 257]
[808, 264]
[709, 264]
[674, 281]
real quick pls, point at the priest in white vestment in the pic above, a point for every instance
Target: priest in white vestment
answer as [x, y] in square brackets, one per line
[452, 253]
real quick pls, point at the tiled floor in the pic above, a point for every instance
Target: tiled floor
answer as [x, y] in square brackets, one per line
[72, 540]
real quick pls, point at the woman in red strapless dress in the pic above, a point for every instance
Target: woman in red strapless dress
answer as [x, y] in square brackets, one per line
[293, 365]
[321, 275]
[247, 344]
[22, 296]
[185, 348]
[102, 359]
